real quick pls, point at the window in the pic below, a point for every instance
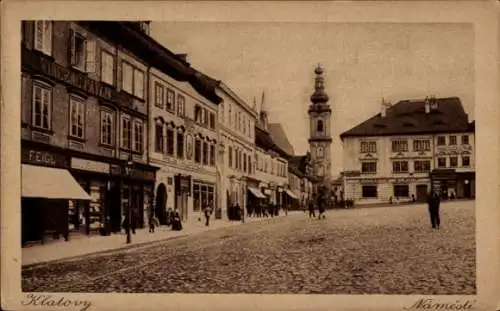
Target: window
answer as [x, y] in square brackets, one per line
[244, 162]
[453, 140]
[368, 147]
[212, 120]
[159, 137]
[107, 68]
[77, 117]
[159, 95]
[465, 161]
[401, 191]
[132, 80]
[138, 135]
[229, 115]
[43, 37]
[465, 139]
[181, 105]
[399, 146]
[170, 141]
[369, 167]
[453, 161]
[441, 162]
[78, 50]
[239, 121]
[126, 132]
[127, 78]
[212, 155]
[107, 127]
[138, 83]
[422, 166]
[197, 114]
[230, 156]
[249, 164]
[197, 151]
[320, 152]
[196, 197]
[42, 106]
[205, 153]
[441, 140]
[170, 100]
[319, 126]
[369, 191]
[180, 144]
[421, 145]
[206, 117]
[400, 166]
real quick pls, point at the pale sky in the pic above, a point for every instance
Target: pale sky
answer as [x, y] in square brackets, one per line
[362, 63]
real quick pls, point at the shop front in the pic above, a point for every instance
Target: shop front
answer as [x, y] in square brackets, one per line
[444, 182]
[133, 188]
[182, 185]
[47, 188]
[203, 195]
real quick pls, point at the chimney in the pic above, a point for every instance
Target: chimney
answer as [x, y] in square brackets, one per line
[183, 57]
[427, 105]
[434, 103]
[383, 106]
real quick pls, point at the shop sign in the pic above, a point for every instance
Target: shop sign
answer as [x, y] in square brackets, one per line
[73, 77]
[37, 157]
[143, 175]
[88, 165]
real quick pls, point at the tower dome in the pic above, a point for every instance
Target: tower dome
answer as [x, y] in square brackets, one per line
[319, 96]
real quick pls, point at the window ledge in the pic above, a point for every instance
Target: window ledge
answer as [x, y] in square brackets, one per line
[43, 54]
[77, 139]
[42, 130]
[106, 146]
[44, 79]
[131, 151]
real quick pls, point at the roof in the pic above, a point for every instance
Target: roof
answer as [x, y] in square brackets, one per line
[279, 137]
[409, 117]
[264, 141]
[151, 51]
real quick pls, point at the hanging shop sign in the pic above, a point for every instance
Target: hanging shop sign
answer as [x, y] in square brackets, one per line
[89, 165]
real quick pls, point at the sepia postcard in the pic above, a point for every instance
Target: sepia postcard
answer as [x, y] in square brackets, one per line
[286, 155]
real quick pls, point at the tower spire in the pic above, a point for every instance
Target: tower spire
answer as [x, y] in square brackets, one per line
[319, 95]
[263, 103]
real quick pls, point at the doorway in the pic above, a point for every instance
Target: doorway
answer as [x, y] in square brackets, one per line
[467, 190]
[421, 193]
[161, 203]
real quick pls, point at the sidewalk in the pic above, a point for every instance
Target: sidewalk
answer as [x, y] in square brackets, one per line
[80, 245]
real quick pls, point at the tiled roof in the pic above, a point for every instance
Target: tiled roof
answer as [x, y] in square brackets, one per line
[263, 140]
[279, 137]
[410, 117]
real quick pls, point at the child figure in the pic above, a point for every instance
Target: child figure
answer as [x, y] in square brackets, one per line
[153, 222]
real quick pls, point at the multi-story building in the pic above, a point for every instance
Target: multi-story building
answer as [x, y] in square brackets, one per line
[236, 128]
[299, 171]
[271, 162]
[84, 110]
[397, 154]
[183, 131]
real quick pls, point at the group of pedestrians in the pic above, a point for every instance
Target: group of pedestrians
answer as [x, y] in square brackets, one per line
[320, 206]
[263, 209]
[173, 220]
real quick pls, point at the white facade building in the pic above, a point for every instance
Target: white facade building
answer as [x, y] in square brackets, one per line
[236, 131]
[183, 145]
[398, 154]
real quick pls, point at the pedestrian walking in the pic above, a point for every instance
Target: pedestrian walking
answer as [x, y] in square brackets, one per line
[311, 209]
[321, 208]
[153, 222]
[434, 201]
[208, 212]
[176, 221]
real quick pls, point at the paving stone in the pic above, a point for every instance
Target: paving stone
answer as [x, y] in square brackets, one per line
[387, 250]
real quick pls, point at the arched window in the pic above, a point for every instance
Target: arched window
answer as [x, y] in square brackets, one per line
[319, 126]
[320, 152]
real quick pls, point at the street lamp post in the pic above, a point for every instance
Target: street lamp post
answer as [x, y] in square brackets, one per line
[128, 172]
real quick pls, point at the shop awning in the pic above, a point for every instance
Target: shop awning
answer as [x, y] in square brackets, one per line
[256, 192]
[291, 194]
[50, 183]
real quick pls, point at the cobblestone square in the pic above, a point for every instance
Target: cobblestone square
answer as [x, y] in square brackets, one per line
[382, 250]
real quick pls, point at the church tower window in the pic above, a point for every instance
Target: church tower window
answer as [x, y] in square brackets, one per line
[319, 126]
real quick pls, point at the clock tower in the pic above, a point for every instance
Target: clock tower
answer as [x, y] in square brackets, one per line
[320, 136]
